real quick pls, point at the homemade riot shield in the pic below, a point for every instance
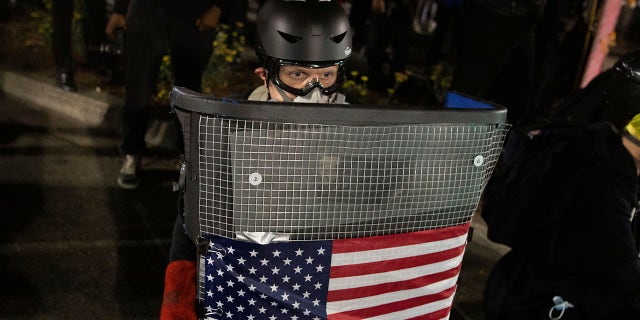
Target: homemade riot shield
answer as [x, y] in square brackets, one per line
[332, 211]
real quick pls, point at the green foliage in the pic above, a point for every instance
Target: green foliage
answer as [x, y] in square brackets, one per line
[44, 20]
[440, 76]
[355, 88]
[227, 49]
[225, 73]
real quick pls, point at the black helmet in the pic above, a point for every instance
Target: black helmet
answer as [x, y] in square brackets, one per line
[313, 33]
[622, 94]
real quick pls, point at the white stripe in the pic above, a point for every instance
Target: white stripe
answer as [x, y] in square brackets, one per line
[393, 276]
[341, 259]
[416, 311]
[374, 301]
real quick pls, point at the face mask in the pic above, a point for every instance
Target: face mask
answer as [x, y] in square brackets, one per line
[315, 96]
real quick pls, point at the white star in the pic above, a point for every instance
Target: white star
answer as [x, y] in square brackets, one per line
[240, 278]
[306, 295]
[263, 279]
[263, 296]
[209, 277]
[296, 305]
[229, 268]
[209, 293]
[297, 269]
[294, 317]
[230, 299]
[241, 293]
[285, 296]
[209, 309]
[219, 255]
[274, 288]
[316, 318]
[220, 304]
[240, 308]
[316, 302]
[285, 279]
[230, 283]
[220, 289]
[250, 317]
[299, 252]
[276, 253]
[229, 315]
[319, 268]
[308, 278]
[321, 251]
[284, 310]
[264, 262]
[252, 287]
[210, 261]
[296, 287]
[273, 318]
[318, 285]
[262, 310]
[251, 301]
[220, 272]
[252, 270]
[274, 304]
[286, 261]
[241, 260]
[306, 312]
[253, 253]
[309, 260]
[231, 250]
[211, 244]
[275, 270]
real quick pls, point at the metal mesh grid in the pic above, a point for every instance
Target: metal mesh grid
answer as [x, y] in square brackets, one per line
[312, 182]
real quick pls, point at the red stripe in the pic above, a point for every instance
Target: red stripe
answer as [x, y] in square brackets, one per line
[367, 291]
[398, 240]
[395, 264]
[396, 306]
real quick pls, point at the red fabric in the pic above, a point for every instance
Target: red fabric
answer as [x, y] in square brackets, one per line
[178, 301]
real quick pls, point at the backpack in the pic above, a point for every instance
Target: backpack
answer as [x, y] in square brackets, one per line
[534, 161]
[513, 203]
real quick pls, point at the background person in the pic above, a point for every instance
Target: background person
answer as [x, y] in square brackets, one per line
[185, 29]
[584, 232]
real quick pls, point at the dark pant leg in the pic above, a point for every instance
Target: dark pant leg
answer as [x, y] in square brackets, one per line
[144, 44]
[61, 12]
[190, 53]
[95, 22]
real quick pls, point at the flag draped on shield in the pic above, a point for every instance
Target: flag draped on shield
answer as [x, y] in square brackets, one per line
[400, 276]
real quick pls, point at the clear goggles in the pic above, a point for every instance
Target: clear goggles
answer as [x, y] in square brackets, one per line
[300, 79]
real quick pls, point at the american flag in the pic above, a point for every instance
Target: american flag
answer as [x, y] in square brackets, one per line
[401, 276]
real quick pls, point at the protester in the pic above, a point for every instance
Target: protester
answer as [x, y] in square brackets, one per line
[186, 30]
[578, 258]
[311, 69]
[62, 19]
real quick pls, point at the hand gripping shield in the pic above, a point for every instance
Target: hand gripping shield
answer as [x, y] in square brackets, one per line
[383, 198]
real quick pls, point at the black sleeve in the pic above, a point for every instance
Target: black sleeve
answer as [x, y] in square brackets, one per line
[182, 248]
[121, 6]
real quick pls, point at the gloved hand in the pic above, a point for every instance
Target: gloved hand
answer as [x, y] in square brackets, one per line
[178, 301]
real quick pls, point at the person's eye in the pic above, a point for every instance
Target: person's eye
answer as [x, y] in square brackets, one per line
[296, 74]
[327, 75]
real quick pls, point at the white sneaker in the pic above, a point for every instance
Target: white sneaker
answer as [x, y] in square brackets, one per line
[128, 177]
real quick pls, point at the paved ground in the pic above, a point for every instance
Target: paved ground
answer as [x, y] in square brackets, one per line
[73, 245]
